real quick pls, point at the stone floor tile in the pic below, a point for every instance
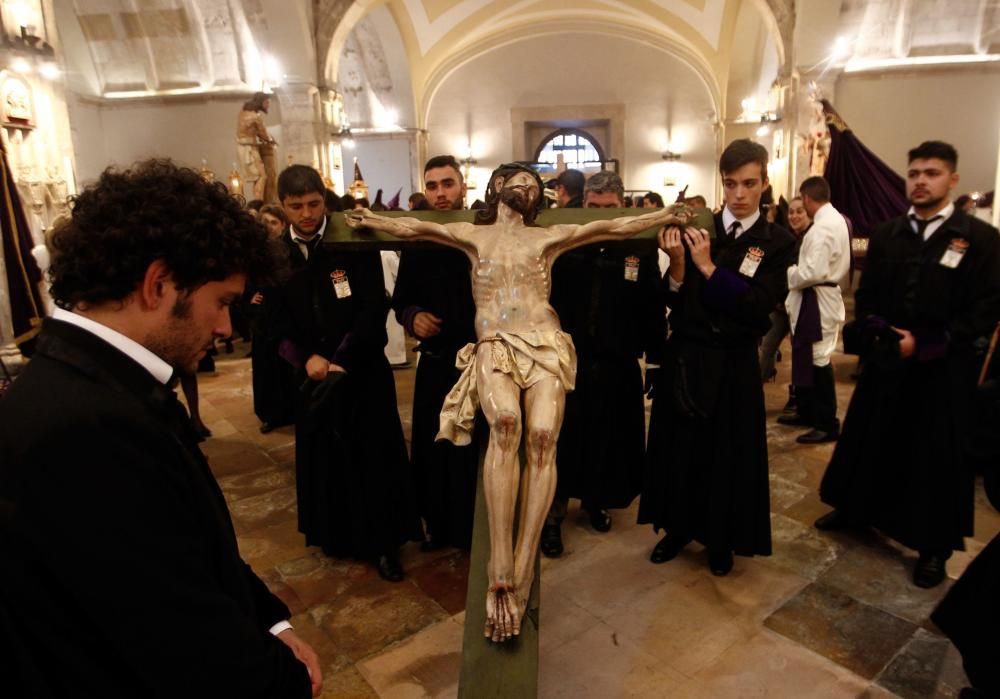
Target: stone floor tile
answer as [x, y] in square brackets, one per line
[561, 619]
[769, 665]
[800, 548]
[232, 455]
[270, 546]
[444, 579]
[687, 626]
[601, 663]
[928, 667]
[425, 665]
[881, 574]
[347, 684]
[244, 485]
[853, 634]
[365, 618]
[785, 493]
[264, 510]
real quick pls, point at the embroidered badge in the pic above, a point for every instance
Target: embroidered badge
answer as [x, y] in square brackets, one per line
[341, 286]
[752, 261]
[952, 257]
[631, 268]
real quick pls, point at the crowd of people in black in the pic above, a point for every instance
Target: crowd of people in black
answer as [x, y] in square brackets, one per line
[698, 338]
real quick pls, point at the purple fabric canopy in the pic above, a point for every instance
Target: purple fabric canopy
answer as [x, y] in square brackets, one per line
[23, 275]
[863, 188]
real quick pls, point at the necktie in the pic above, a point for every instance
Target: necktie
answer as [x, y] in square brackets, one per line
[734, 230]
[922, 223]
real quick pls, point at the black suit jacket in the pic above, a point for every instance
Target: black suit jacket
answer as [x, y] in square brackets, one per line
[121, 575]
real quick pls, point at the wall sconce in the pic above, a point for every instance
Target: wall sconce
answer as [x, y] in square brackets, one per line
[345, 136]
[766, 119]
[670, 156]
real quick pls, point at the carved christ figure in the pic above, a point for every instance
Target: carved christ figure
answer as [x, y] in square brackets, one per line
[256, 147]
[521, 353]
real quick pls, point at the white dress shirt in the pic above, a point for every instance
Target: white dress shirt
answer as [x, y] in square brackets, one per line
[825, 256]
[944, 213]
[305, 244]
[728, 219]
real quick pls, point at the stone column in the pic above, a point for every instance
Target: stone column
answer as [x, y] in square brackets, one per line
[303, 131]
[9, 352]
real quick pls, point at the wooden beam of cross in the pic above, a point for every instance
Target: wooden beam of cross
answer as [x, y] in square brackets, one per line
[364, 239]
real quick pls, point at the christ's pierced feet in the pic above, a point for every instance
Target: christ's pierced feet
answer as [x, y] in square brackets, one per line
[503, 613]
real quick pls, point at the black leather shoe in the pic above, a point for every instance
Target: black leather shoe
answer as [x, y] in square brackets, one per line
[200, 430]
[551, 544]
[720, 562]
[266, 427]
[389, 568]
[831, 521]
[600, 521]
[817, 437]
[668, 548]
[929, 571]
[793, 421]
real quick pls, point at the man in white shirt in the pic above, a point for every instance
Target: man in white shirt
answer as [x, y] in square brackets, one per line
[121, 575]
[816, 310]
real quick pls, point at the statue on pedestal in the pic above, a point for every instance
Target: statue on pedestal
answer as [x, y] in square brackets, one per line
[256, 148]
[522, 356]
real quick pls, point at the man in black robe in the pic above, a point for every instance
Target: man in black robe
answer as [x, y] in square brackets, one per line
[925, 308]
[433, 302]
[120, 572]
[706, 472]
[609, 301]
[352, 475]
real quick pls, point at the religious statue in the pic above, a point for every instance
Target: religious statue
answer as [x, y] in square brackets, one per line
[522, 357]
[256, 148]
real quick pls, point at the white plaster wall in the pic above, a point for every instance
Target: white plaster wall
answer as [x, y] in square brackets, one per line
[385, 164]
[894, 112]
[658, 93]
[188, 132]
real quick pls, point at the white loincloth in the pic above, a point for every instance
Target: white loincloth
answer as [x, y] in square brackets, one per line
[526, 357]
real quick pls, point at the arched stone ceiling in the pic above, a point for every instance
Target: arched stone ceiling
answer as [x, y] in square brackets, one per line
[441, 35]
[160, 46]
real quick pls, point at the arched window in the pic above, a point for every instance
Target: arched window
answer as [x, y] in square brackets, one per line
[577, 147]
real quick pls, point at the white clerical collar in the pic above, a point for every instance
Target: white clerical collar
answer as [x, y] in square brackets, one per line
[728, 219]
[298, 237]
[160, 370]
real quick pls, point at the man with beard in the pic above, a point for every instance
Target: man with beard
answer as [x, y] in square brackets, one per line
[609, 302]
[433, 302]
[121, 575]
[521, 355]
[706, 466]
[256, 147]
[926, 306]
[352, 473]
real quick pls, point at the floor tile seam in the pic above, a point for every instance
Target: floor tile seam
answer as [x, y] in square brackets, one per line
[848, 593]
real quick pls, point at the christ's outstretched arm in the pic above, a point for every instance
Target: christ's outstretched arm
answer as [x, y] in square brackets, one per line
[624, 227]
[410, 228]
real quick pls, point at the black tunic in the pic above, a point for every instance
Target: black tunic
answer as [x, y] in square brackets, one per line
[273, 377]
[437, 281]
[706, 471]
[352, 475]
[902, 462]
[609, 302]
